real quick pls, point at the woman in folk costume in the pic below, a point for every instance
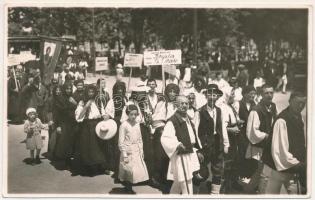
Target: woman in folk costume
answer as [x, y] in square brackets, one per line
[164, 110]
[102, 92]
[232, 159]
[65, 107]
[102, 100]
[90, 148]
[180, 142]
[132, 168]
[79, 94]
[114, 110]
[14, 88]
[50, 116]
[199, 86]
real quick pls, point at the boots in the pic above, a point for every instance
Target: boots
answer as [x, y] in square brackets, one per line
[215, 189]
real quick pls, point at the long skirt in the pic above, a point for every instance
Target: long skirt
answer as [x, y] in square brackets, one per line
[161, 160]
[65, 141]
[13, 106]
[148, 152]
[90, 147]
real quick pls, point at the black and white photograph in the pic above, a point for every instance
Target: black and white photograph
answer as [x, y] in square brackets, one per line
[187, 101]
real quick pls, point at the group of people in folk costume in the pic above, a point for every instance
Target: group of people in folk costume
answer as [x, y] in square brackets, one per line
[218, 133]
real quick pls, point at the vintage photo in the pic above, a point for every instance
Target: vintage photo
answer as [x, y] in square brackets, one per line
[157, 101]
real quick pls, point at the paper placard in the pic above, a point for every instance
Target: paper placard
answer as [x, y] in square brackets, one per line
[165, 57]
[133, 60]
[171, 69]
[101, 63]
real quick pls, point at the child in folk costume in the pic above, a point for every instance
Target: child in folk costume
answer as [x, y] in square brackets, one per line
[132, 168]
[33, 127]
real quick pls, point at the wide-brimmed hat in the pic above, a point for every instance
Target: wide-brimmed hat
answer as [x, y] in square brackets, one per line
[213, 89]
[105, 130]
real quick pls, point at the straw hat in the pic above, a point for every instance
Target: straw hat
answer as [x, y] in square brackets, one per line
[105, 130]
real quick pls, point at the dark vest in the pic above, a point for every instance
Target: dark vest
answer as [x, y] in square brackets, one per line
[266, 119]
[296, 138]
[181, 132]
[210, 142]
[243, 112]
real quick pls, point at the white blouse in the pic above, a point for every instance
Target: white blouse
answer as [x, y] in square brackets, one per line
[93, 113]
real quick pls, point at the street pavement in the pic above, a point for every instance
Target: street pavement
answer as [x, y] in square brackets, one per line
[48, 178]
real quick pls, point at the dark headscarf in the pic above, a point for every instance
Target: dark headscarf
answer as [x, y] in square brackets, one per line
[87, 88]
[203, 83]
[64, 87]
[119, 86]
[170, 87]
[119, 99]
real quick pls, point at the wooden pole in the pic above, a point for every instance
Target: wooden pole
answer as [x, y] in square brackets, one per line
[129, 78]
[163, 79]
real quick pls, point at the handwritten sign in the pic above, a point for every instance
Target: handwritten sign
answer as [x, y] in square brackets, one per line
[101, 63]
[165, 57]
[171, 69]
[133, 60]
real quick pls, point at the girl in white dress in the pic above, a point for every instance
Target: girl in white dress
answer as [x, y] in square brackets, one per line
[132, 168]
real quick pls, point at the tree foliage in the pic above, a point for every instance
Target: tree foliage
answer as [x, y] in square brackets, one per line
[163, 28]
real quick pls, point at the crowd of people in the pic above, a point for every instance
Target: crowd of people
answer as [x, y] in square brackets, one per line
[224, 131]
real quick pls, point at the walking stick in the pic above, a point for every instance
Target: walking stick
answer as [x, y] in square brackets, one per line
[185, 175]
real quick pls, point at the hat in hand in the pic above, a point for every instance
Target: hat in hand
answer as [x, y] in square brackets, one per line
[105, 130]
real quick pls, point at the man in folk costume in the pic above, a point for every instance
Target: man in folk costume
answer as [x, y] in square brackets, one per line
[150, 100]
[180, 142]
[247, 166]
[164, 110]
[209, 123]
[153, 97]
[259, 127]
[287, 148]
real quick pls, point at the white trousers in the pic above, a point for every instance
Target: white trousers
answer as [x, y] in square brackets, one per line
[275, 181]
[181, 188]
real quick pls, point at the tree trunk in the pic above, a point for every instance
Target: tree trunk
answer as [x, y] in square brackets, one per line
[138, 23]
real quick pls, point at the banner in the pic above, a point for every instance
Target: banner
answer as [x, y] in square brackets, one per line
[133, 60]
[165, 57]
[50, 55]
[101, 63]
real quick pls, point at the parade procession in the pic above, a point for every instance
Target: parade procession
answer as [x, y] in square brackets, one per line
[157, 101]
